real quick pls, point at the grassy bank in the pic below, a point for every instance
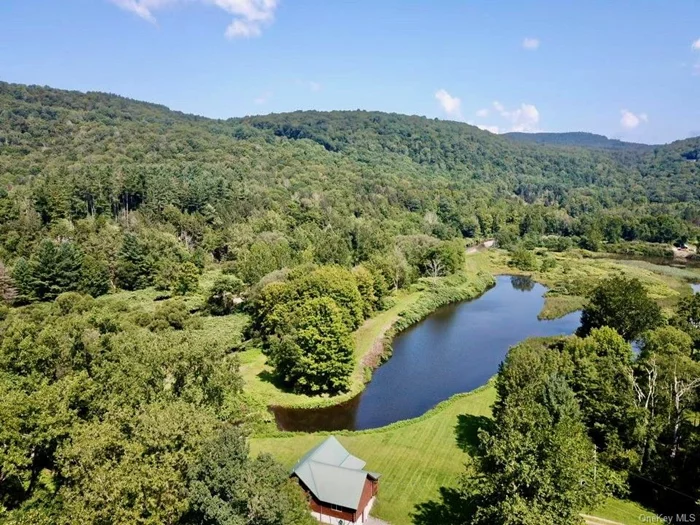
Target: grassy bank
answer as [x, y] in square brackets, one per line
[414, 459]
[258, 376]
[372, 339]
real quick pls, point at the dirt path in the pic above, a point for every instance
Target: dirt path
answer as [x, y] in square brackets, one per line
[490, 243]
[593, 520]
[373, 357]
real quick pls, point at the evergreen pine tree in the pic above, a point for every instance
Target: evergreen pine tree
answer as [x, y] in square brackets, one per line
[134, 266]
[95, 278]
[22, 275]
[55, 269]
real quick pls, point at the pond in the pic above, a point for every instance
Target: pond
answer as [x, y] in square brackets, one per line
[456, 349]
[695, 287]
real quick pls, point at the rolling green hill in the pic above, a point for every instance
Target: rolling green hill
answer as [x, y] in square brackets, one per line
[164, 275]
[577, 139]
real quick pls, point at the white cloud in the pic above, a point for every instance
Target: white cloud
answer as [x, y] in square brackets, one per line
[263, 98]
[695, 46]
[242, 29]
[492, 129]
[450, 105]
[314, 86]
[525, 118]
[498, 106]
[250, 16]
[531, 44]
[484, 112]
[631, 120]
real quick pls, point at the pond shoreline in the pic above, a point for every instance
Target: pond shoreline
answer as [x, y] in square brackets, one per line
[438, 293]
[418, 305]
[455, 350]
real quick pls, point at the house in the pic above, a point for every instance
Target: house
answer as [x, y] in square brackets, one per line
[340, 491]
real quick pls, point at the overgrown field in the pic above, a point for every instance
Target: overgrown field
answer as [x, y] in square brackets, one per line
[577, 272]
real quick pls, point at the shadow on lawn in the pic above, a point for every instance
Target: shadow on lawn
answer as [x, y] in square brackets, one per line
[270, 377]
[451, 509]
[467, 431]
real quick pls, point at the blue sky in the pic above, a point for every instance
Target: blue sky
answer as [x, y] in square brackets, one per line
[626, 69]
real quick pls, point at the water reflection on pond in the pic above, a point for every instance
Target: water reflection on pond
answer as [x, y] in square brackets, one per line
[455, 349]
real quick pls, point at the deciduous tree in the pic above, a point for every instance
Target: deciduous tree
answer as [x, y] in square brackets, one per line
[622, 304]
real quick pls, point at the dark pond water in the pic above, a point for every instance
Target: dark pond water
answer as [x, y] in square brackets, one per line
[456, 349]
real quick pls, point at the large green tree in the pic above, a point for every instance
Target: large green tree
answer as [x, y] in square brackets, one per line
[535, 463]
[52, 270]
[134, 264]
[622, 304]
[687, 318]
[315, 354]
[603, 380]
[227, 487]
[132, 471]
[668, 383]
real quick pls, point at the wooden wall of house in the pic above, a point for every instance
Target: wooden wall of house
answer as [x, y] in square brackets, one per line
[347, 514]
[368, 492]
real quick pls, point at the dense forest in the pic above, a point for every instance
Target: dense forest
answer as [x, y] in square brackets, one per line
[116, 412]
[577, 138]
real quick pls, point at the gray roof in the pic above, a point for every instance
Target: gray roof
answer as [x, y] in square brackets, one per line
[332, 474]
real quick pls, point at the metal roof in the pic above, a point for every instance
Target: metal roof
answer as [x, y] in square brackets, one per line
[332, 474]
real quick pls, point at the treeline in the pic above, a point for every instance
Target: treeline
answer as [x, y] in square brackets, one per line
[582, 418]
[330, 188]
[304, 317]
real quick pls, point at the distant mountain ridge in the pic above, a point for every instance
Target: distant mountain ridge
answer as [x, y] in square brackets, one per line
[420, 160]
[579, 139]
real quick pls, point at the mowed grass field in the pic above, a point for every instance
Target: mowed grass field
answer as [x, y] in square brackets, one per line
[417, 457]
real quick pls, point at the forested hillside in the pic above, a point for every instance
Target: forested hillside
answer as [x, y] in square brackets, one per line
[141, 249]
[576, 138]
[347, 176]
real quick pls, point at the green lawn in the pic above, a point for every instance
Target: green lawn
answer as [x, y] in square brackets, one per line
[627, 512]
[417, 457]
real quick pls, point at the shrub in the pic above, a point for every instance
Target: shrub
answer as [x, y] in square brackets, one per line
[523, 260]
[224, 295]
